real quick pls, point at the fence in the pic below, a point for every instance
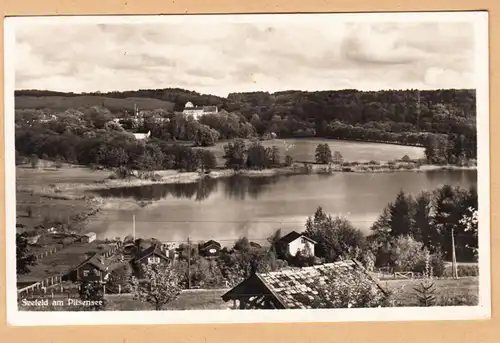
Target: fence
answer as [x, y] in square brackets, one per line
[46, 253]
[41, 286]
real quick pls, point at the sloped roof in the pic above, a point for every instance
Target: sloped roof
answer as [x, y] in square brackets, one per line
[94, 261]
[210, 243]
[290, 237]
[152, 250]
[300, 288]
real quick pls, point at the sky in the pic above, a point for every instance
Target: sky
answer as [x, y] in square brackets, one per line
[223, 57]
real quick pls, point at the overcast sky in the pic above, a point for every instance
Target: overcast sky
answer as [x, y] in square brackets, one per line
[238, 57]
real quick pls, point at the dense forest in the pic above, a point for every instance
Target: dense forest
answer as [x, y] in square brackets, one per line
[443, 121]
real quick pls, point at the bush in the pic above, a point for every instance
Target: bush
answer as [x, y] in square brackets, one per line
[463, 271]
[353, 289]
[450, 299]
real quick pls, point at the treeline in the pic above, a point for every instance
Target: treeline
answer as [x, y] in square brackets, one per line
[404, 117]
[456, 149]
[118, 150]
[176, 95]
[430, 218]
[410, 233]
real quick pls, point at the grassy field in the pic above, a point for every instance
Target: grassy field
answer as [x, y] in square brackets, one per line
[60, 262]
[60, 103]
[449, 292]
[463, 291]
[38, 202]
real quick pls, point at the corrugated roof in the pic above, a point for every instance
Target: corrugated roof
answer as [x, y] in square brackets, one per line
[299, 288]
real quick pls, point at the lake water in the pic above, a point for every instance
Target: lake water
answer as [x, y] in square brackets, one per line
[225, 209]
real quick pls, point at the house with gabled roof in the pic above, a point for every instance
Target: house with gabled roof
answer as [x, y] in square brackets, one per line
[301, 288]
[93, 268]
[210, 248]
[294, 242]
[151, 255]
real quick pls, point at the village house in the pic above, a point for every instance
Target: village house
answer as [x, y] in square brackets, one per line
[294, 242]
[89, 237]
[93, 268]
[142, 136]
[210, 248]
[293, 289]
[151, 255]
[198, 111]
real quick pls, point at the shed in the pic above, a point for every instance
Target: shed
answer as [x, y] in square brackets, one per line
[89, 237]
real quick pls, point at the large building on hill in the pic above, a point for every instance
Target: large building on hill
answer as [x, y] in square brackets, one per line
[198, 111]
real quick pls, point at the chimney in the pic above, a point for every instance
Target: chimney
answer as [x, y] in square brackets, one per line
[253, 267]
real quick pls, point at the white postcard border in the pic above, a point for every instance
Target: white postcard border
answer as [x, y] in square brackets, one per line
[482, 311]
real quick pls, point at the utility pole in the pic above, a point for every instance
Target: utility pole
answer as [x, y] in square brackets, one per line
[189, 263]
[418, 110]
[453, 255]
[133, 226]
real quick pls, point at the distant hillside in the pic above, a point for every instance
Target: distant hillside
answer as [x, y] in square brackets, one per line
[175, 96]
[61, 103]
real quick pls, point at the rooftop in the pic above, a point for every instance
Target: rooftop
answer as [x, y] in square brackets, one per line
[153, 249]
[290, 237]
[301, 288]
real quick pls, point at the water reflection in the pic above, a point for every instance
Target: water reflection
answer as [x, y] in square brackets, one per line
[239, 187]
[235, 187]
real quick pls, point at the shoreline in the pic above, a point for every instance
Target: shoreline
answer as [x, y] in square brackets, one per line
[73, 191]
[102, 180]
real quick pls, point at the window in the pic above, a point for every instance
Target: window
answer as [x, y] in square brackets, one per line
[86, 273]
[154, 260]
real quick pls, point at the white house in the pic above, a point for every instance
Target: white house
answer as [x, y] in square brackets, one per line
[142, 136]
[198, 111]
[89, 237]
[295, 242]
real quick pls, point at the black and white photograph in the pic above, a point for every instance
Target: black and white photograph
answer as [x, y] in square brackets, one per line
[247, 168]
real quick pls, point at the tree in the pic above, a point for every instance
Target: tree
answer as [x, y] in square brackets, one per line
[406, 253]
[274, 156]
[288, 160]
[121, 276]
[92, 293]
[257, 156]
[470, 221]
[205, 136]
[423, 229]
[401, 215]
[337, 157]
[336, 237]
[323, 154]
[207, 159]
[35, 161]
[447, 216]
[242, 244]
[347, 290]
[235, 154]
[24, 259]
[159, 286]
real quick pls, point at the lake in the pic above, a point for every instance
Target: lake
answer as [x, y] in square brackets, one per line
[225, 209]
